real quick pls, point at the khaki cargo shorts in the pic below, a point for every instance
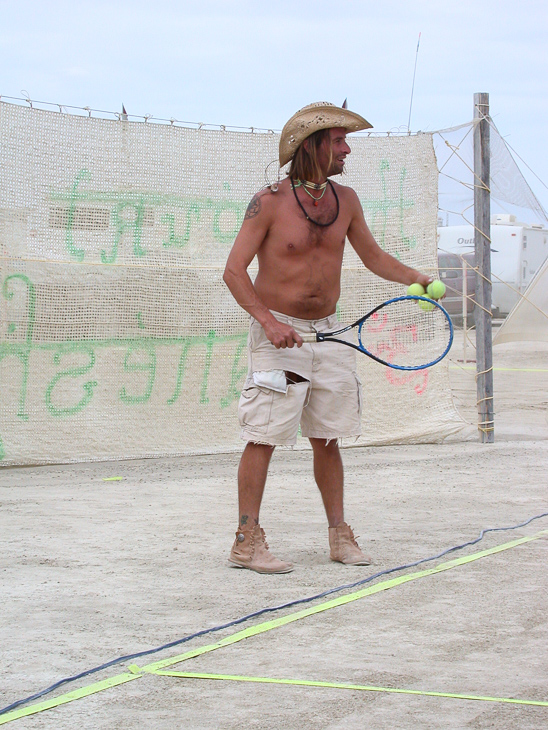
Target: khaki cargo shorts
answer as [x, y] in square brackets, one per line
[326, 402]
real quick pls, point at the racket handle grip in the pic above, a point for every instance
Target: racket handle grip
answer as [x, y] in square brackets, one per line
[311, 337]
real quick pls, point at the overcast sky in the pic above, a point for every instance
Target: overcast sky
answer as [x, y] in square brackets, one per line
[255, 63]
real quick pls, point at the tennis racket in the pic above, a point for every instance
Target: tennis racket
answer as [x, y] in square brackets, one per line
[404, 333]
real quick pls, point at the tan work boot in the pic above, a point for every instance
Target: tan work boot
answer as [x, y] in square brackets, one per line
[250, 550]
[344, 548]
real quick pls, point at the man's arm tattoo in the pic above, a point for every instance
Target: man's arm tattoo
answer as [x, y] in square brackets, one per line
[254, 208]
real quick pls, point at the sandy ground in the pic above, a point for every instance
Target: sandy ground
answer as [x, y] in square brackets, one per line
[91, 570]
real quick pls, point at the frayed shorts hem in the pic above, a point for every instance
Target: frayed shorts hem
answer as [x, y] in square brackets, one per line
[262, 440]
[331, 437]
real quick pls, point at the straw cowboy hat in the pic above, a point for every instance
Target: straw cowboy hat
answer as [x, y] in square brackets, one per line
[311, 118]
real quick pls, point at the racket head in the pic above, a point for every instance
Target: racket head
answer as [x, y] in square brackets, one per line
[406, 333]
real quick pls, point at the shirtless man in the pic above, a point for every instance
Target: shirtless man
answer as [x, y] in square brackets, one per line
[298, 234]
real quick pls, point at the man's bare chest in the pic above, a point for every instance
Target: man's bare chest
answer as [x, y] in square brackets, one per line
[299, 232]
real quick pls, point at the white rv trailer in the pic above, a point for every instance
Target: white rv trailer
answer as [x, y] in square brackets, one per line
[518, 250]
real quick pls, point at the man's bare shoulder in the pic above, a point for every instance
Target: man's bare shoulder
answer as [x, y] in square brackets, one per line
[267, 200]
[344, 190]
[256, 205]
[347, 196]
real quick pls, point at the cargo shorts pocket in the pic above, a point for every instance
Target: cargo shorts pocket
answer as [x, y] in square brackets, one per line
[255, 407]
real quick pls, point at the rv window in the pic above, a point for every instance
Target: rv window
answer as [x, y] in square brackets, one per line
[449, 274]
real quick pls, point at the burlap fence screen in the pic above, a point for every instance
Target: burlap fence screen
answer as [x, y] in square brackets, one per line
[118, 337]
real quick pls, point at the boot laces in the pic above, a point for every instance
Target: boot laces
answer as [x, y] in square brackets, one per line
[352, 538]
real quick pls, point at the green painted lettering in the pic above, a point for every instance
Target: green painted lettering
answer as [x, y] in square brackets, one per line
[227, 219]
[22, 350]
[146, 367]
[409, 242]
[379, 210]
[192, 214]
[74, 372]
[123, 224]
[77, 253]
[210, 341]
[237, 373]
[181, 367]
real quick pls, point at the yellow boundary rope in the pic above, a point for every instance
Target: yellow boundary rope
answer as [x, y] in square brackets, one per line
[501, 370]
[154, 668]
[339, 685]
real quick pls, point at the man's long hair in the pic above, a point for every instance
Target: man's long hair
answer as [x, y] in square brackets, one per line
[305, 165]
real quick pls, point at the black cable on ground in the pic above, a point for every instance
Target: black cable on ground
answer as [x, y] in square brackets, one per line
[261, 612]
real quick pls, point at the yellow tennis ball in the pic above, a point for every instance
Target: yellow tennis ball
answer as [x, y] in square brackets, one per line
[415, 290]
[426, 306]
[436, 289]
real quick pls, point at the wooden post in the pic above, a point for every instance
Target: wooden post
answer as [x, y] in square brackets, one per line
[482, 224]
[464, 308]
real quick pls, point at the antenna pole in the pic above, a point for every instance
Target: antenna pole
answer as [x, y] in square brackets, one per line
[413, 85]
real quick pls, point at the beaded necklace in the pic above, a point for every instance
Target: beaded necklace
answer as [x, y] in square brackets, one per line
[315, 186]
[308, 184]
[297, 183]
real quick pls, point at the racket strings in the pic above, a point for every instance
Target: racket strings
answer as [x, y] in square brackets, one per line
[403, 334]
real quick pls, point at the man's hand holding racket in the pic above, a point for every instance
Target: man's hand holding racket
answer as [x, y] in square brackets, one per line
[282, 335]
